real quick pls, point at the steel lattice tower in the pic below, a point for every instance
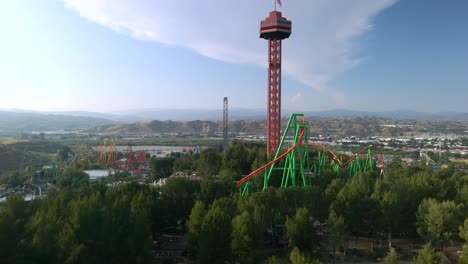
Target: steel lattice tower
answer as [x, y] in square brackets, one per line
[225, 122]
[274, 28]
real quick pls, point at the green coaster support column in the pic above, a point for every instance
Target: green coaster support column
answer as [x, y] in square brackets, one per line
[296, 167]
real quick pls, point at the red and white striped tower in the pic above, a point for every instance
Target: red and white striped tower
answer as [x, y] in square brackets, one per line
[274, 28]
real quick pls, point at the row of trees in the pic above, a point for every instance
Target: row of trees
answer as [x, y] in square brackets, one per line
[227, 165]
[87, 225]
[409, 201]
[93, 223]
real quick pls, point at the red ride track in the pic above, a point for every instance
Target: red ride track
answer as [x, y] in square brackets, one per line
[382, 161]
[337, 159]
[334, 156]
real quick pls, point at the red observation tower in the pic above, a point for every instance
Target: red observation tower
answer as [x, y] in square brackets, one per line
[274, 28]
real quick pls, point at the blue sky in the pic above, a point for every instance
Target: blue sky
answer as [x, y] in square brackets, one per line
[108, 55]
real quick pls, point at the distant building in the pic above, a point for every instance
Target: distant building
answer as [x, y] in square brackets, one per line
[192, 177]
[95, 175]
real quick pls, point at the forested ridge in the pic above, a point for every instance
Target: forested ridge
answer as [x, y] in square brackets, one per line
[94, 223]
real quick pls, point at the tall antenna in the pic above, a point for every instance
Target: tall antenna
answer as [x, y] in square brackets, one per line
[225, 122]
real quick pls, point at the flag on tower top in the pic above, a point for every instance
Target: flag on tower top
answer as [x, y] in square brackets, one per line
[279, 3]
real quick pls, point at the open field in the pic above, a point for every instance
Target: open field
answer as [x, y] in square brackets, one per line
[8, 141]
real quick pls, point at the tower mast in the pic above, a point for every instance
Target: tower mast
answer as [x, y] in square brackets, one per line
[274, 29]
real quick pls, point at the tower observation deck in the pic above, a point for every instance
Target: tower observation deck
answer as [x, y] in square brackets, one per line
[274, 28]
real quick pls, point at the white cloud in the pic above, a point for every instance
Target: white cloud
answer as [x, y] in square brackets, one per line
[322, 45]
[296, 99]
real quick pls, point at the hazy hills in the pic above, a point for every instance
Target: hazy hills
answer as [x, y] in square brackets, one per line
[19, 154]
[345, 126]
[197, 126]
[13, 122]
[130, 116]
[399, 114]
[146, 121]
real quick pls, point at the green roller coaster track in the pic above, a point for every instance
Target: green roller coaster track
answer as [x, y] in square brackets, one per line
[297, 168]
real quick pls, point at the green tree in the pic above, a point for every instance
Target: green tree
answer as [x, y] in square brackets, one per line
[209, 162]
[13, 218]
[464, 255]
[263, 206]
[86, 221]
[337, 233]
[179, 195]
[235, 158]
[390, 209]
[332, 190]
[161, 167]
[437, 221]
[185, 163]
[44, 227]
[96, 225]
[69, 250]
[228, 177]
[226, 204]
[462, 195]
[302, 233]
[464, 230]
[411, 191]
[259, 158]
[14, 179]
[273, 260]
[464, 235]
[211, 190]
[140, 231]
[355, 204]
[194, 225]
[215, 237]
[73, 178]
[395, 170]
[296, 257]
[245, 238]
[258, 180]
[391, 258]
[428, 255]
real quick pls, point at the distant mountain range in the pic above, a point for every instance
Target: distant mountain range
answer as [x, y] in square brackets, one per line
[130, 116]
[26, 121]
[343, 126]
[399, 114]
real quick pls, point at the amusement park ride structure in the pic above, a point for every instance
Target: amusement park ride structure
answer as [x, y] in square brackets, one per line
[294, 163]
[299, 168]
[109, 156]
[274, 28]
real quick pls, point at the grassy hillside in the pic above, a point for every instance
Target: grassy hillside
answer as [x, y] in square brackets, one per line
[19, 153]
[197, 126]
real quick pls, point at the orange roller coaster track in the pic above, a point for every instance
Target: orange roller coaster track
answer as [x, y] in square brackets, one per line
[296, 166]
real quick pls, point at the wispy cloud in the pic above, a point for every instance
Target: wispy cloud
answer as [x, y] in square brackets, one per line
[296, 99]
[322, 46]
